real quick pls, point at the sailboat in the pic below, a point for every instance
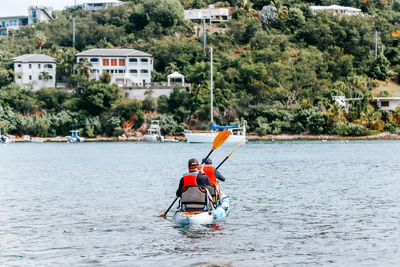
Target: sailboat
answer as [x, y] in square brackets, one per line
[238, 133]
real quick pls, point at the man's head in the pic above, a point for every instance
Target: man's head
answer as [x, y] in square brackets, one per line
[193, 164]
[207, 162]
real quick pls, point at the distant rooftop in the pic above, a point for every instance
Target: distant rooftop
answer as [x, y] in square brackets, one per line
[335, 7]
[34, 58]
[113, 52]
[103, 2]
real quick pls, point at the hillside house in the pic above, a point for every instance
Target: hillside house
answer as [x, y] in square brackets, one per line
[128, 67]
[101, 5]
[35, 71]
[35, 14]
[337, 10]
[215, 14]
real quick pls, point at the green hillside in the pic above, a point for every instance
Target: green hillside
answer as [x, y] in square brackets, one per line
[276, 65]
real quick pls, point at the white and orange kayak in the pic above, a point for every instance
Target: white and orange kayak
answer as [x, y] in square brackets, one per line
[203, 217]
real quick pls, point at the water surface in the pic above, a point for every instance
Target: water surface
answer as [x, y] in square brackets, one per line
[295, 203]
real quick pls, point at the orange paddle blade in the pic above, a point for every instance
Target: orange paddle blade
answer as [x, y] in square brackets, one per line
[242, 143]
[220, 139]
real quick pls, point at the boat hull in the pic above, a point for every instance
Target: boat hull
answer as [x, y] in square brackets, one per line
[209, 137]
[153, 138]
[206, 217]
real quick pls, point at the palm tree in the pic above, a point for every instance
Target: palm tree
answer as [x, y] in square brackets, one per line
[280, 9]
[45, 76]
[171, 67]
[41, 39]
[84, 68]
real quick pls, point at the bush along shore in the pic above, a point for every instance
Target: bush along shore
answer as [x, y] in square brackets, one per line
[276, 65]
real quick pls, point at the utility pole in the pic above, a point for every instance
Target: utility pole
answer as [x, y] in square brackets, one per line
[376, 43]
[204, 34]
[73, 32]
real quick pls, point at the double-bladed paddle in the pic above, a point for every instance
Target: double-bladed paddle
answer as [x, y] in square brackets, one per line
[218, 141]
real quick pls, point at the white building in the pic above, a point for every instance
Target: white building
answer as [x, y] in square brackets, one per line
[30, 71]
[36, 14]
[387, 103]
[215, 14]
[128, 67]
[39, 14]
[336, 10]
[101, 5]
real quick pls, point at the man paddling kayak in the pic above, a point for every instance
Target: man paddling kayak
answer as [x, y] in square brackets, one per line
[213, 175]
[192, 188]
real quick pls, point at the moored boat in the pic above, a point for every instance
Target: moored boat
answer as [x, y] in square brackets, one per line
[203, 217]
[154, 132]
[75, 138]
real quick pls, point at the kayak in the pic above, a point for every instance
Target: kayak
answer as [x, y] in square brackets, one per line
[203, 217]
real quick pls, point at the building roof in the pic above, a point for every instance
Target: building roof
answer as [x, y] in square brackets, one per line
[113, 52]
[386, 98]
[104, 2]
[35, 58]
[176, 75]
[14, 17]
[335, 7]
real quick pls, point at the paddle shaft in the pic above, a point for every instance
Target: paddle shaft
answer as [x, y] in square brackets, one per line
[212, 150]
[165, 213]
[227, 157]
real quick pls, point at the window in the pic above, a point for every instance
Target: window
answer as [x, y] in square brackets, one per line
[30, 77]
[144, 60]
[34, 14]
[94, 59]
[121, 71]
[133, 60]
[19, 65]
[30, 66]
[106, 62]
[122, 62]
[384, 103]
[50, 77]
[114, 62]
[49, 66]
[144, 71]
[133, 71]
[112, 71]
[38, 65]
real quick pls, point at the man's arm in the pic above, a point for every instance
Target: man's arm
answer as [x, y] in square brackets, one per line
[219, 176]
[179, 191]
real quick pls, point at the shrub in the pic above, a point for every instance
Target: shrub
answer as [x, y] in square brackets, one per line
[316, 123]
[351, 129]
[390, 127]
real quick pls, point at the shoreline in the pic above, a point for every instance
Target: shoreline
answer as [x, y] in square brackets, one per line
[269, 137]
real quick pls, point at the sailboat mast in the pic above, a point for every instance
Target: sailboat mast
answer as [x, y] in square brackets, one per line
[211, 85]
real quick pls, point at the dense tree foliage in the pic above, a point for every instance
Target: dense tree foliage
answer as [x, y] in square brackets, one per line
[276, 65]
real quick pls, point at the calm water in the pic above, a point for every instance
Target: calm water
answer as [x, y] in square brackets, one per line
[293, 204]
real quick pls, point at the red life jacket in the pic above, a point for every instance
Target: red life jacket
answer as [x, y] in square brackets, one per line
[209, 170]
[189, 179]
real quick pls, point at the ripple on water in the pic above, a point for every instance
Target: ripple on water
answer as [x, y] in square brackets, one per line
[293, 203]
